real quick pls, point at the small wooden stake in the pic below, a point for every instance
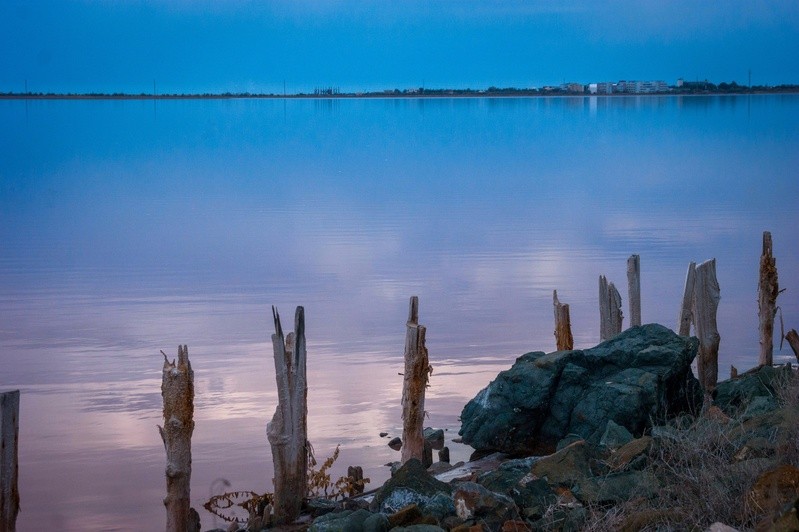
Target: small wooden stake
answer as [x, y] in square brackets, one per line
[9, 465]
[687, 310]
[767, 291]
[610, 315]
[563, 329]
[634, 289]
[415, 378]
[177, 390]
[706, 303]
[288, 430]
[793, 341]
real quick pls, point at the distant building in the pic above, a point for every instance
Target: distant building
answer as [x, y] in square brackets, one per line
[604, 87]
[574, 87]
[592, 88]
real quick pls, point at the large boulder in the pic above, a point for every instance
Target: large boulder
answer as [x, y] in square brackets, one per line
[634, 379]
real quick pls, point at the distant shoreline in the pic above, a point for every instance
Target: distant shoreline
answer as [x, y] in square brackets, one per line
[433, 94]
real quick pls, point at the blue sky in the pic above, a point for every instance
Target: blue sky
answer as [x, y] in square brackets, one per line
[241, 45]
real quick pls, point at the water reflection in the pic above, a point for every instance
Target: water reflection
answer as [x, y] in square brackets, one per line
[123, 235]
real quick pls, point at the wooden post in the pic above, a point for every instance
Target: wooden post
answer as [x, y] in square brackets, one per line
[9, 465]
[288, 430]
[610, 315]
[706, 303]
[563, 328]
[417, 373]
[177, 390]
[686, 312]
[767, 291]
[634, 289]
[793, 341]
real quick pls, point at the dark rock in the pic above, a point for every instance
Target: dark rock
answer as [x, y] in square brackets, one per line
[346, 521]
[632, 455]
[395, 443]
[440, 506]
[568, 440]
[616, 487]
[640, 376]
[383, 434]
[319, 506]
[409, 515]
[411, 484]
[531, 495]
[734, 395]
[427, 455]
[376, 523]
[615, 436]
[419, 528]
[443, 455]
[565, 467]
[435, 437]
[473, 501]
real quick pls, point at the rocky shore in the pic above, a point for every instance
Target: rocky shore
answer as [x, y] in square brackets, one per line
[610, 438]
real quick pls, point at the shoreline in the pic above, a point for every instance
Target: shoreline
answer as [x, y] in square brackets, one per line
[447, 94]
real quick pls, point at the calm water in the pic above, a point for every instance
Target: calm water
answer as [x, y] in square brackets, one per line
[127, 227]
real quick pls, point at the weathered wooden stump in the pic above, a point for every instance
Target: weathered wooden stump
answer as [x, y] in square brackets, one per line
[687, 310]
[9, 463]
[415, 378]
[177, 390]
[634, 289]
[610, 315]
[706, 303]
[793, 341]
[564, 340]
[288, 430]
[767, 291]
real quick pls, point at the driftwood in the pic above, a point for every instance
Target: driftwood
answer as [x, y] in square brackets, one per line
[9, 465]
[610, 315]
[634, 289]
[686, 312]
[767, 291]
[288, 430]
[177, 390]
[563, 328]
[417, 373]
[706, 303]
[793, 341]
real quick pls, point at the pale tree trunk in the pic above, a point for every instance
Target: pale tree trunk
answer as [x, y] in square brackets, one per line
[288, 430]
[706, 302]
[634, 289]
[9, 465]
[563, 331]
[177, 390]
[610, 315]
[417, 373]
[686, 312]
[767, 291]
[793, 341]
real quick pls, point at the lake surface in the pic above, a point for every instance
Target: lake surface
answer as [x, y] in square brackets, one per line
[128, 227]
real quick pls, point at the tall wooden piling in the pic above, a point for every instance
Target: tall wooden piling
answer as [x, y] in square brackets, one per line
[415, 378]
[687, 309]
[767, 291]
[634, 289]
[610, 315]
[9, 464]
[288, 430]
[177, 390]
[706, 302]
[563, 329]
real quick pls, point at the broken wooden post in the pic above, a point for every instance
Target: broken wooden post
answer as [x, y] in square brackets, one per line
[177, 390]
[288, 430]
[417, 373]
[793, 341]
[634, 289]
[564, 340]
[686, 312]
[767, 291]
[610, 315]
[9, 464]
[706, 303]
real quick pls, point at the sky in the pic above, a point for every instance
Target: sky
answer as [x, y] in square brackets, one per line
[196, 46]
